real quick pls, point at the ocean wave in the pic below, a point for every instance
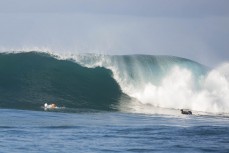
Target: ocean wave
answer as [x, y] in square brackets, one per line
[110, 82]
[30, 79]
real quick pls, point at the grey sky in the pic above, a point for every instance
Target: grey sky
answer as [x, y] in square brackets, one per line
[194, 29]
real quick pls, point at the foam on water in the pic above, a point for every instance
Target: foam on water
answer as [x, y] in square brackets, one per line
[168, 82]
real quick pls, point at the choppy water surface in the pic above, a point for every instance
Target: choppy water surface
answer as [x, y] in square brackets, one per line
[37, 131]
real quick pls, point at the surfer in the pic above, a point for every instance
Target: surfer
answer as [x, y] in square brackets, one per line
[51, 106]
[186, 112]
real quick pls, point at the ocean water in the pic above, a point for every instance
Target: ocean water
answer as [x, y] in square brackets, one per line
[128, 103]
[102, 131]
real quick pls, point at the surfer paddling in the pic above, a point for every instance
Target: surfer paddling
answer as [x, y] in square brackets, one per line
[186, 112]
[51, 106]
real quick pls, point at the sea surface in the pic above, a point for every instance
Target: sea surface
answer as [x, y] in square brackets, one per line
[111, 103]
[101, 131]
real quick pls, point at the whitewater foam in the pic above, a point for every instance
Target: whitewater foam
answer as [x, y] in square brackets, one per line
[214, 97]
[178, 90]
[168, 82]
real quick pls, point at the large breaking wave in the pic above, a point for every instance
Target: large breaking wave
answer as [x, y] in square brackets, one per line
[106, 82]
[28, 80]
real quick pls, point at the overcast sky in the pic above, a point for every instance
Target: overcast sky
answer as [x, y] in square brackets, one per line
[194, 29]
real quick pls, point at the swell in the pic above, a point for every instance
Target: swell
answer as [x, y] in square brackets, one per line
[28, 80]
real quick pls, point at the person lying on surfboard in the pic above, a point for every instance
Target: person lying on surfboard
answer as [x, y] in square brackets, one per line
[51, 106]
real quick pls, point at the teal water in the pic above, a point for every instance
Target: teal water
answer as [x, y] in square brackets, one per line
[28, 80]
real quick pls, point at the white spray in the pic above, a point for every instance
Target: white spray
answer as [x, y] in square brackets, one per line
[175, 87]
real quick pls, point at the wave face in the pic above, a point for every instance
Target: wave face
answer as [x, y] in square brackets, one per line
[129, 82]
[28, 80]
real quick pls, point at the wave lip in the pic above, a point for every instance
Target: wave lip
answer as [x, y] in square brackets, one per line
[30, 79]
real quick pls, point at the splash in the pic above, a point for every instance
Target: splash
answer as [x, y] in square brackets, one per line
[178, 90]
[168, 82]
